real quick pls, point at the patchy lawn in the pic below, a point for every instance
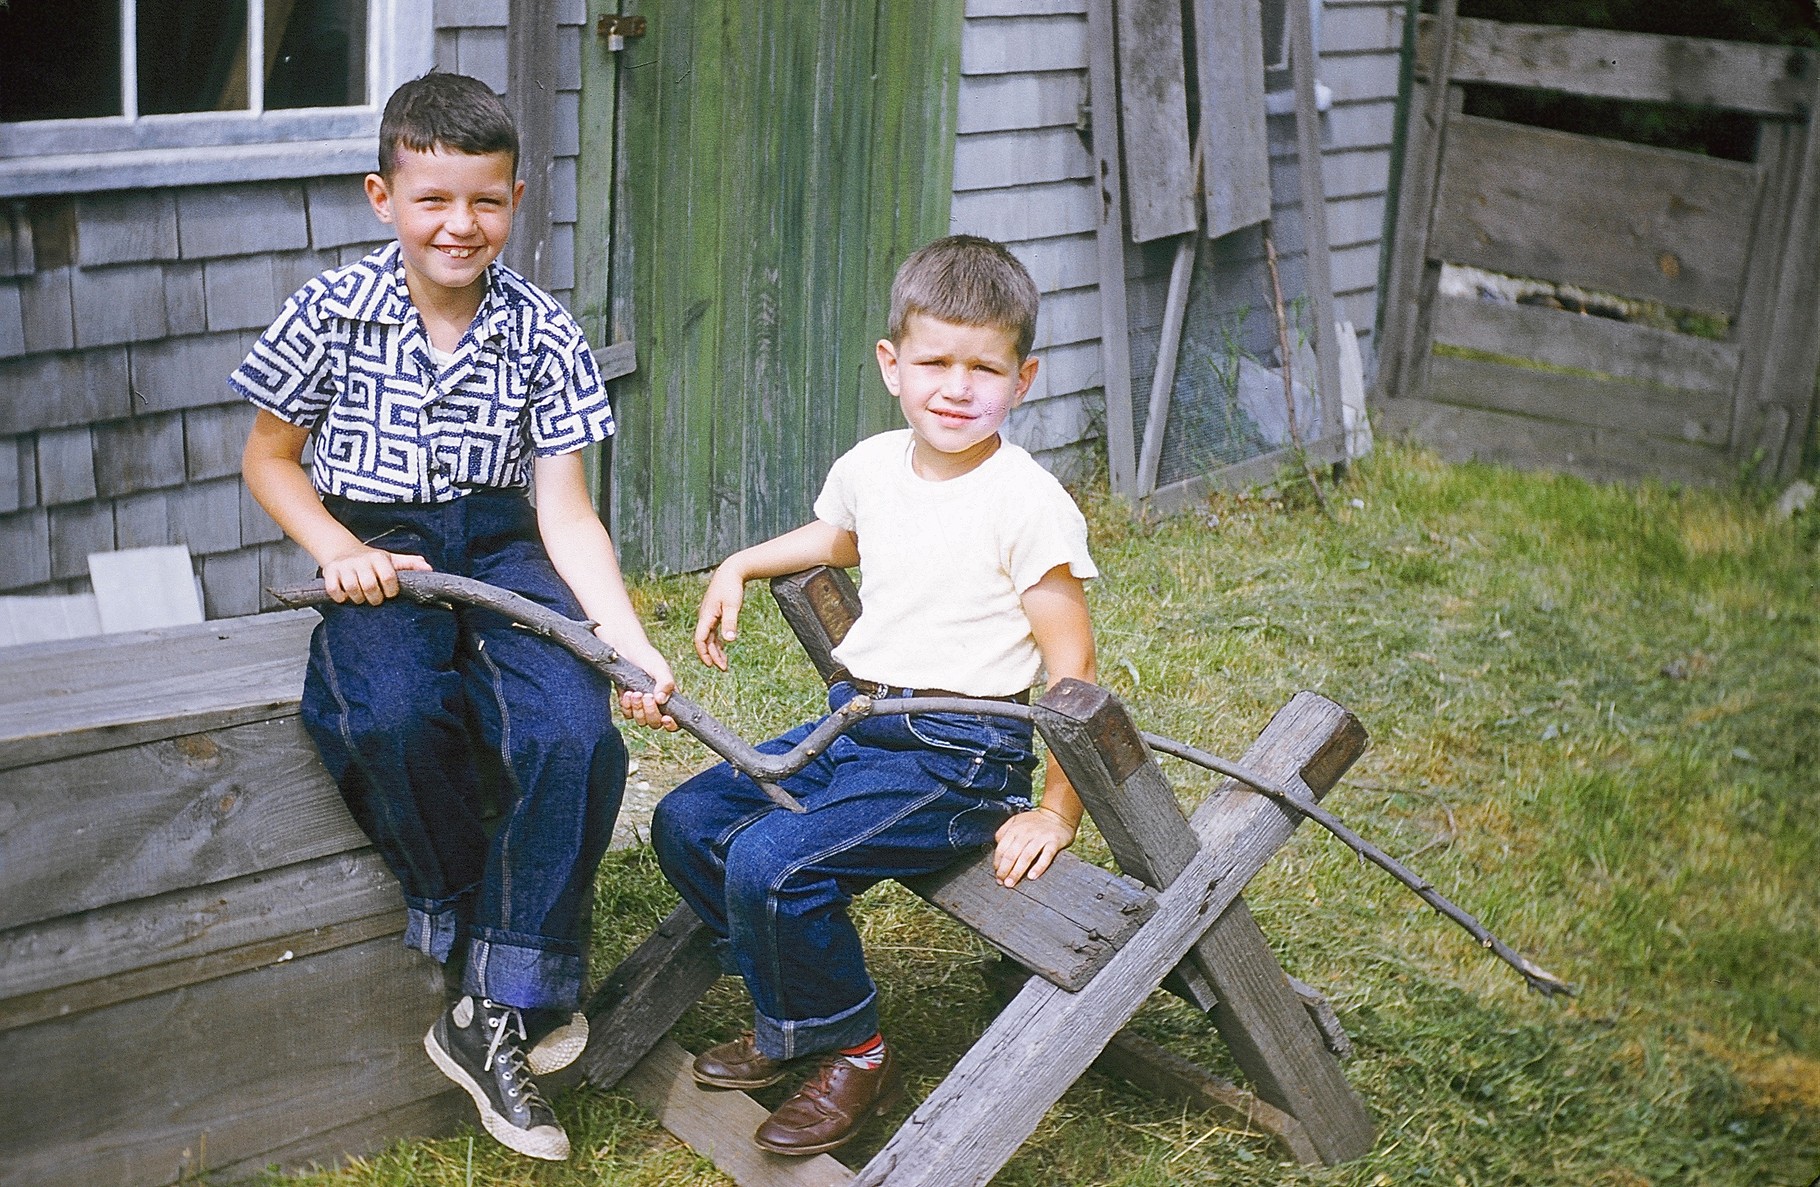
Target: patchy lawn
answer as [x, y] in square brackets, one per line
[1595, 716]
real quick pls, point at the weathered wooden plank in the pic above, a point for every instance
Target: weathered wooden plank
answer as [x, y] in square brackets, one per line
[1024, 43]
[1042, 1042]
[1317, 258]
[67, 697]
[1770, 80]
[1002, 102]
[530, 50]
[821, 606]
[988, 160]
[1638, 353]
[1056, 422]
[1703, 418]
[1258, 1014]
[1599, 454]
[1108, 206]
[1027, 212]
[1157, 1070]
[1776, 326]
[1403, 346]
[719, 1125]
[1536, 202]
[1064, 926]
[124, 824]
[83, 961]
[1153, 119]
[641, 999]
[1350, 31]
[1234, 143]
[224, 1072]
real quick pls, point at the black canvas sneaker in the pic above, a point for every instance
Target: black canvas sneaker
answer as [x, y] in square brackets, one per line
[555, 1038]
[479, 1044]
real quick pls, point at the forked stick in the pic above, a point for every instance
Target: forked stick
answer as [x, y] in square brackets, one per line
[765, 769]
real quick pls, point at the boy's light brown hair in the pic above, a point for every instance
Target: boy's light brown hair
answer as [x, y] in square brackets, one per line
[969, 281]
[449, 111]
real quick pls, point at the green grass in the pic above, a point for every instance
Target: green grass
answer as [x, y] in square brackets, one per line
[1594, 724]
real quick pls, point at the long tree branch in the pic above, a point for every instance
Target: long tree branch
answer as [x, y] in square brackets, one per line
[765, 769]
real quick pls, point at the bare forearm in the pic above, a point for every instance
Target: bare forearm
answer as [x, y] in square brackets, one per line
[815, 543]
[279, 484]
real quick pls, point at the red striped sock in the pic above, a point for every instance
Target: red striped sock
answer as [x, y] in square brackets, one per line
[868, 1054]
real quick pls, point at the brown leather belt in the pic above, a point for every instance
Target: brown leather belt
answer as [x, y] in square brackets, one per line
[877, 691]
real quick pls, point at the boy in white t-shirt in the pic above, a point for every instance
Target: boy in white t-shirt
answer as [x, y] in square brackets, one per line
[971, 559]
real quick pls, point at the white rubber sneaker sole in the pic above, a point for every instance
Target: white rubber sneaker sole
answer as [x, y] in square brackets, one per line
[559, 1048]
[548, 1142]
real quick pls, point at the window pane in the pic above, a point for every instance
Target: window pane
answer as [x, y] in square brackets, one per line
[59, 59]
[192, 56]
[316, 53]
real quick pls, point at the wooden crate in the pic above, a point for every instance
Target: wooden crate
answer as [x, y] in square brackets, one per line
[200, 967]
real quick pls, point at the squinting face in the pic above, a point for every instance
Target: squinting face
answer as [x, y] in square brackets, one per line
[453, 211]
[956, 385]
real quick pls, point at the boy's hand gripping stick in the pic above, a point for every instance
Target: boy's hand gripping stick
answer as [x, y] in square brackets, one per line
[440, 589]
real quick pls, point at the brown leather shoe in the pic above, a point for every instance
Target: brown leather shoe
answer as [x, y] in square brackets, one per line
[828, 1110]
[737, 1064]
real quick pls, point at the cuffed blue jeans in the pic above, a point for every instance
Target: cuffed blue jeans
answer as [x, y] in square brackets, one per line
[421, 713]
[892, 798]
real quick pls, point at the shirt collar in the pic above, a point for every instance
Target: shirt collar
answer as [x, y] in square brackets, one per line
[374, 290]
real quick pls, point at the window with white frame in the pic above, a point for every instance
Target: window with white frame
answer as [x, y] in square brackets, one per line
[193, 88]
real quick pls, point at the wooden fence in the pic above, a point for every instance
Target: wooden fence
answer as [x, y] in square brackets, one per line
[1730, 243]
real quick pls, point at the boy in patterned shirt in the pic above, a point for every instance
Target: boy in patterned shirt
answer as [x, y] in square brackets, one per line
[438, 384]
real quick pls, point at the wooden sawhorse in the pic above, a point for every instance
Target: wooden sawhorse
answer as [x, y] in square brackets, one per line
[1098, 944]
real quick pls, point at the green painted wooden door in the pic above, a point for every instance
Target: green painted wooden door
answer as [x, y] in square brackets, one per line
[772, 162]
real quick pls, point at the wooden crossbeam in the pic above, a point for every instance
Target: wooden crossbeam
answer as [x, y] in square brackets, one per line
[1257, 1012]
[997, 1094]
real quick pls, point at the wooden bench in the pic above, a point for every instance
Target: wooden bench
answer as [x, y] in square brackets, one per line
[200, 967]
[1098, 944]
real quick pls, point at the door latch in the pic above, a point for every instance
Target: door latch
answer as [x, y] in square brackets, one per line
[617, 28]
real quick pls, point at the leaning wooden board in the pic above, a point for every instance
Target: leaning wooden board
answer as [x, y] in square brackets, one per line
[197, 945]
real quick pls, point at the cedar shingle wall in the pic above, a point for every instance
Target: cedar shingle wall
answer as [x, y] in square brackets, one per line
[121, 314]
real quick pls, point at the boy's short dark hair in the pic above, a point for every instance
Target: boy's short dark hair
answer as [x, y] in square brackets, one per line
[451, 111]
[967, 280]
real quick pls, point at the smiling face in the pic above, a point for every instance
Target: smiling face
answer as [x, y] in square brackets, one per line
[453, 212]
[956, 385]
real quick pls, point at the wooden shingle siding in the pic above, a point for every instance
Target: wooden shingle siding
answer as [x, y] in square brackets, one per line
[75, 532]
[54, 390]
[44, 306]
[15, 240]
[25, 548]
[236, 220]
[12, 321]
[119, 303]
[339, 213]
[1023, 175]
[123, 228]
[11, 479]
[66, 461]
[1360, 49]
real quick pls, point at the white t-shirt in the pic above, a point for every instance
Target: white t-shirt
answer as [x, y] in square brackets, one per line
[943, 565]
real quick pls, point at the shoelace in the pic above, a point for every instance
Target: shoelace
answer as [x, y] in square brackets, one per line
[510, 1056]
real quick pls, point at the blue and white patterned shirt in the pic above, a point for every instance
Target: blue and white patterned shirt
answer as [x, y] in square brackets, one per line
[348, 358]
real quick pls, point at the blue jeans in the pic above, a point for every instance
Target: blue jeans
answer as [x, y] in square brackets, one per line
[891, 798]
[424, 714]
